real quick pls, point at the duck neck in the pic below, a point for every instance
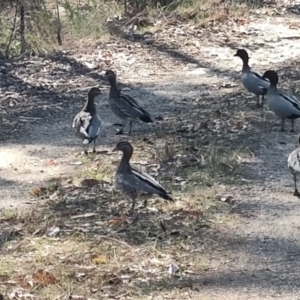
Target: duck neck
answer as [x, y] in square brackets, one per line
[90, 105]
[124, 164]
[273, 87]
[114, 91]
[246, 67]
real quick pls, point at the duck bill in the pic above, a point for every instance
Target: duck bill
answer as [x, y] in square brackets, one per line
[114, 150]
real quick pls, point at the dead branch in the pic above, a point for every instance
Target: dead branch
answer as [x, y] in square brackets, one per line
[59, 39]
[12, 32]
[22, 27]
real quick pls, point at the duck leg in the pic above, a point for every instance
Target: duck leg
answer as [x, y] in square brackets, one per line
[262, 100]
[257, 101]
[145, 203]
[282, 124]
[85, 150]
[296, 193]
[94, 149]
[133, 205]
[130, 125]
[292, 130]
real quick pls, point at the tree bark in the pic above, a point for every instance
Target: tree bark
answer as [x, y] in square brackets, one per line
[22, 26]
[59, 39]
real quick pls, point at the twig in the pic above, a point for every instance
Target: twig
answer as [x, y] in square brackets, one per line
[115, 240]
[19, 245]
[59, 40]
[12, 32]
[125, 7]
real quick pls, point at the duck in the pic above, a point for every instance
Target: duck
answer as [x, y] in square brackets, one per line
[252, 81]
[284, 106]
[124, 106]
[132, 182]
[294, 166]
[87, 124]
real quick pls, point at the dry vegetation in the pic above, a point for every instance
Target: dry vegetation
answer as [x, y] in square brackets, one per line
[57, 24]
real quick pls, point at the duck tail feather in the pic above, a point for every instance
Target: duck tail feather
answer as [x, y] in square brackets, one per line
[167, 197]
[146, 119]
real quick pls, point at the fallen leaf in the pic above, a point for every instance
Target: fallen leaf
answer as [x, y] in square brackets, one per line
[37, 192]
[77, 297]
[173, 270]
[242, 21]
[50, 162]
[76, 163]
[197, 214]
[227, 199]
[294, 26]
[44, 277]
[117, 221]
[53, 231]
[98, 259]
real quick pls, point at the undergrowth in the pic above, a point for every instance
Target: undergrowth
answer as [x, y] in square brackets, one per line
[88, 22]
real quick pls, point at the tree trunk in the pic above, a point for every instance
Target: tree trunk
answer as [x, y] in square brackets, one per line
[59, 39]
[22, 26]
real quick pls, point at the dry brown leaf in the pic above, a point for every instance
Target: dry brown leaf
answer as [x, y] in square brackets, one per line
[117, 221]
[197, 214]
[294, 26]
[98, 259]
[25, 281]
[242, 21]
[44, 277]
[37, 192]
[50, 162]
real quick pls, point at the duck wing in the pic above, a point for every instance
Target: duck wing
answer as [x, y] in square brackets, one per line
[294, 161]
[81, 124]
[263, 83]
[94, 127]
[260, 76]
[144, 182]
[292, 100]
[130, 107]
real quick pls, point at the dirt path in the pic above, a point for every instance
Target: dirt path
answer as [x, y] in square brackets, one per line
[260, 245]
